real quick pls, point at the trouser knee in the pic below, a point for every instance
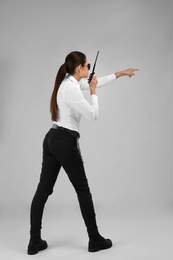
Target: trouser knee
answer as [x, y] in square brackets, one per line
[84, 193]
[43, 190]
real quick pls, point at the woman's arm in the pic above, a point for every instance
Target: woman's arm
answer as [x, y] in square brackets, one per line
[102, 81]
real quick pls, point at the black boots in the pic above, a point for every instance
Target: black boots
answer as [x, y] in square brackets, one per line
[36, 244]
[97, 242]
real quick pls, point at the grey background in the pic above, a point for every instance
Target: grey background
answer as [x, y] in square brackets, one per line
[128, 150]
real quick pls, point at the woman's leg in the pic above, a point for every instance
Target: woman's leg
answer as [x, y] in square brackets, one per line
[49, 173]
[65, 148]
[76, 173]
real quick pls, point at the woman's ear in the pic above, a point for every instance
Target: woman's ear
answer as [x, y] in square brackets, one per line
[80, 68]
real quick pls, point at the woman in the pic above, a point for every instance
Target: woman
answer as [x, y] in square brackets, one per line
[61, 147]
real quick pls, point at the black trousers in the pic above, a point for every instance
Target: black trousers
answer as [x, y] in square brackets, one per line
[61, 148]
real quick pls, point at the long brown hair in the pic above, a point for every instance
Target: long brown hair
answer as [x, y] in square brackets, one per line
[72, 60]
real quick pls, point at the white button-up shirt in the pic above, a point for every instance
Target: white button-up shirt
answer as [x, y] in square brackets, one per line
[72, 105]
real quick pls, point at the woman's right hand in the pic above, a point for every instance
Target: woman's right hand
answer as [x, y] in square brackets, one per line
[93, 85]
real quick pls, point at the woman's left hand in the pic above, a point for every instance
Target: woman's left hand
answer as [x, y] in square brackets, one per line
[130, 72]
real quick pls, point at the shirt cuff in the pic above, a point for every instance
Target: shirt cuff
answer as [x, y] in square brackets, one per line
[94, 98]
[112, 76]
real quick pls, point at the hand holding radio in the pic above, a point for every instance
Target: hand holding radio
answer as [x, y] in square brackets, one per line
[93, 85]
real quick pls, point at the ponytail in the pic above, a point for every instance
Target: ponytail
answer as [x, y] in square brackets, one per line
[72, 60]
[53, 103]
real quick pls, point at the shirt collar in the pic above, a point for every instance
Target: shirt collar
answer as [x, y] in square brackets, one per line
[72, 79]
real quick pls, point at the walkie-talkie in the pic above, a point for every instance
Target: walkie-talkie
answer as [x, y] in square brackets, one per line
[93, 71]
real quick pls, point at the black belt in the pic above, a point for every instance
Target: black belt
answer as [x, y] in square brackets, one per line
[72, 132]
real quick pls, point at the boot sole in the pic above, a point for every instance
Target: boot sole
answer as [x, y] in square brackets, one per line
[34, 252]
[96, 249]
